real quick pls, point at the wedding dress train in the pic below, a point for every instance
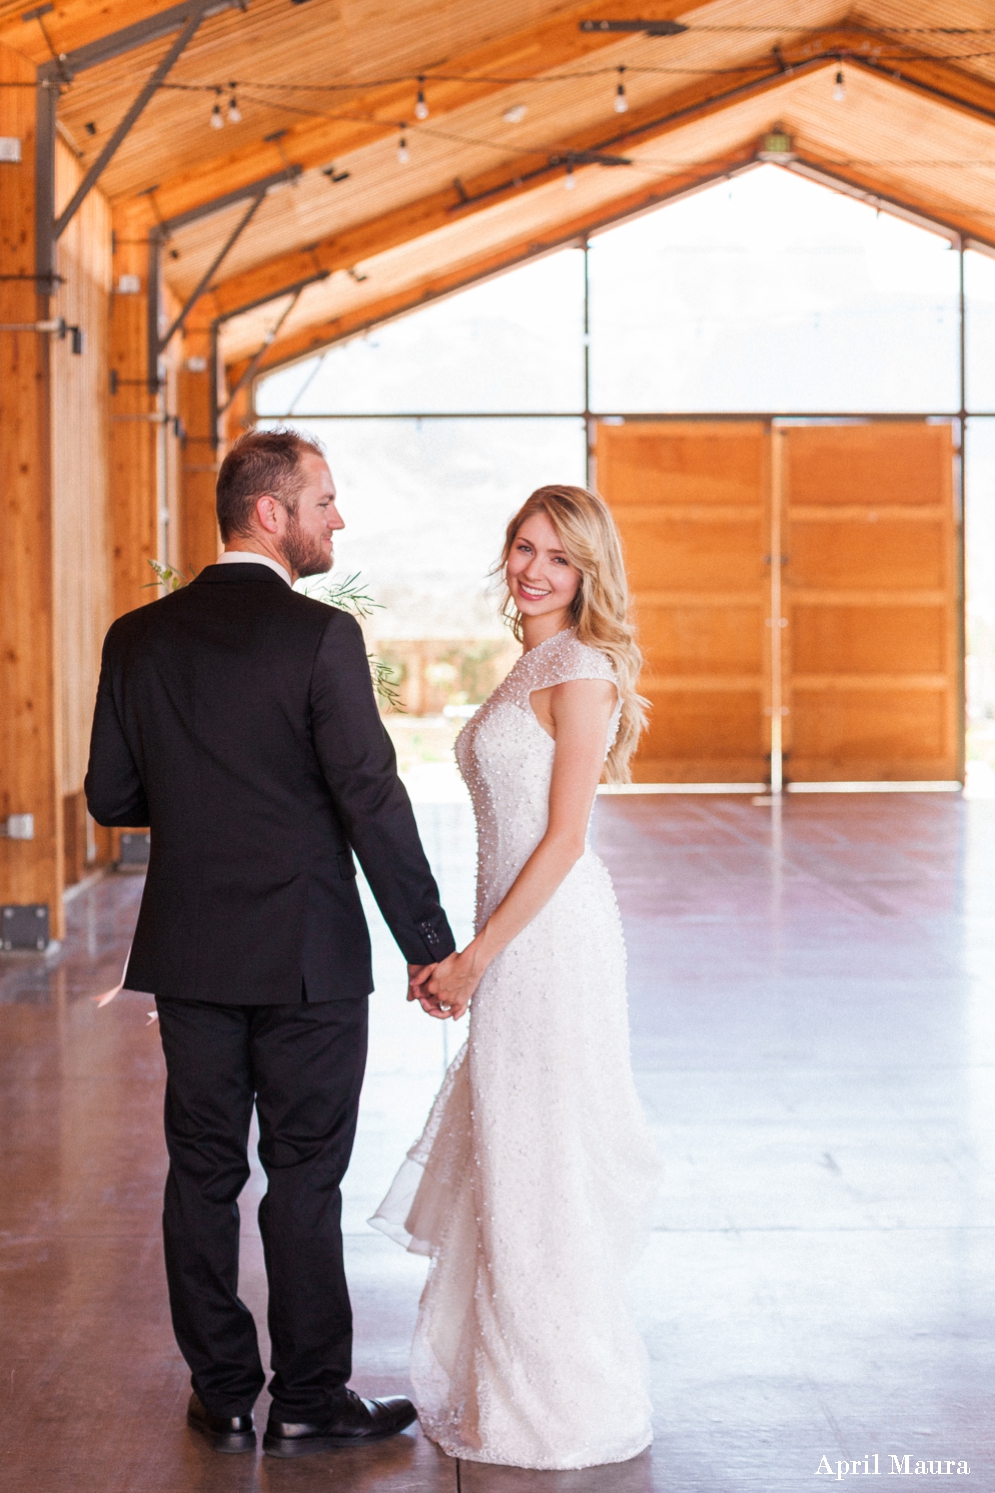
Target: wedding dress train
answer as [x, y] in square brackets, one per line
[529, 1187]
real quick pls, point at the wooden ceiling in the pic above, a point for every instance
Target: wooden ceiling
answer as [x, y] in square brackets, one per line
[334, 82]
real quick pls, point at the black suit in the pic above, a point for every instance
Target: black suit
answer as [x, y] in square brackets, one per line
[236, 718]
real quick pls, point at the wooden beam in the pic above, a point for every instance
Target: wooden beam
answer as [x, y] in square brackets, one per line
[967, 225]
[75, 24]
[438, 209]
[558, 42]
[554, 42]
[944, 82]
[31, 871]
[324, 334]
[133, 431]
[699, 101]
[491, 262]
[200, 457]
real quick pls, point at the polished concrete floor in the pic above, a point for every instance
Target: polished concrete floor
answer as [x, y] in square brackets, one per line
[813, 1007]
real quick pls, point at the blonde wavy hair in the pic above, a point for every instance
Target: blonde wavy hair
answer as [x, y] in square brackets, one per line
[600, 609]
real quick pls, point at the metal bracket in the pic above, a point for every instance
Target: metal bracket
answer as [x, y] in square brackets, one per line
[249, 371]
[137, 108]
[186, 18]
[209, 273]
[161, 234]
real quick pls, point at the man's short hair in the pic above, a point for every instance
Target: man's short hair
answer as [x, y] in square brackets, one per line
[262, 461]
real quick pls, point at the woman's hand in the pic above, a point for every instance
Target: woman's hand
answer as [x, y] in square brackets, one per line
[451, 986]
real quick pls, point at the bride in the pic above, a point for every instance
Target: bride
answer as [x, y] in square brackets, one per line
[530, 1184]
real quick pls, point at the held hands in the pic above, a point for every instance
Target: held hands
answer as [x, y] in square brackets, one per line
[445, 990]
[450, 987]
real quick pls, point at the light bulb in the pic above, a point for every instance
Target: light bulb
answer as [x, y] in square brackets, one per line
[569, 182]
[421, 108]
[839, 88]
[403, 154]
[621, 102]
[217, 118]
[234, 112]
[515, 114]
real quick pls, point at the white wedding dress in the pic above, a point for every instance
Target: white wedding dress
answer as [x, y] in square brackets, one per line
[531, 1183]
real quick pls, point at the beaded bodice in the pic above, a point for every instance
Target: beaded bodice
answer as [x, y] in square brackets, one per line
[506, 759]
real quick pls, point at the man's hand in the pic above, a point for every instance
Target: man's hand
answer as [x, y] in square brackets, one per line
[417, 975]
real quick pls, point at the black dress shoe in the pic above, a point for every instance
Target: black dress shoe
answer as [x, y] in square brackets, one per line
[354, 1423]
[233, 1433]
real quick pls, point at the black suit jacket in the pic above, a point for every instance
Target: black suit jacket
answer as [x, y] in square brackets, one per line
[236, 718]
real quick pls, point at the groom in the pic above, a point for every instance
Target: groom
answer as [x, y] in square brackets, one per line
[236, 718]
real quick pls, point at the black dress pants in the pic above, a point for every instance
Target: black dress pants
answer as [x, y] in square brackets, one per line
[302, 1066]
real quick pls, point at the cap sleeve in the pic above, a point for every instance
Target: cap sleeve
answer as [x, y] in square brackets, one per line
[557, 662]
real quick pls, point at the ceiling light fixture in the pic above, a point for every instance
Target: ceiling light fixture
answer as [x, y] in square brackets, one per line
[421, 107]
[777, 146]
[515, 114]
[621, 102]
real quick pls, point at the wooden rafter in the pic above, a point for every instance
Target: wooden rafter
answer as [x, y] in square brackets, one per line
[491, 262]
[555, 42]
[438, 209]
[948, 86]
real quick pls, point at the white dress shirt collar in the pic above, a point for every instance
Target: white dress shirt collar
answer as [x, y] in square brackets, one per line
[246, 557]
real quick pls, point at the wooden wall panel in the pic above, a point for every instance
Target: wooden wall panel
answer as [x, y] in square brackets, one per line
[690, 500]
[30, 740]
[873, 665]
[79, 467]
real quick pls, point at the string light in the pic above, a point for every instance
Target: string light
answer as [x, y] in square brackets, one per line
[234, 112]
[621, 102]
[515, 114]
[403, 154]
[217, 118]
[421, 107]
[839, 87]
[569, 181]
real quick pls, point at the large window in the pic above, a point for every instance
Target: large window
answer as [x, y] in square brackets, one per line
[764, 294]
[772, 294]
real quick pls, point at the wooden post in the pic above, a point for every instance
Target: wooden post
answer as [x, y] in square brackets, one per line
[30, 746]
[199, 542]
[239, 416]
[134, 430]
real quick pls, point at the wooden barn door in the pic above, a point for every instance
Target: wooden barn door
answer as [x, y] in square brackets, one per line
[872, 677]
[849, 649]
[691, 502]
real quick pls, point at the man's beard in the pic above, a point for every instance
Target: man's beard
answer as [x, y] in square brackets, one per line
[303, 553]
